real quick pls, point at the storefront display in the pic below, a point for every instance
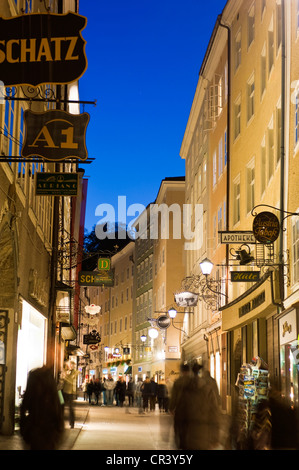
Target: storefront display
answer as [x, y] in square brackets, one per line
[253, 384]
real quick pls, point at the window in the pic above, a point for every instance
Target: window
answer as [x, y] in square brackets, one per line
[263, 7]
[263, 167]
[270, 152]
[225, 148]
[204, 173]
[270, 47]
[278, 134]
[295, 248]
[263, 70]
[297, 117]
[250, 173]
[237, 201]
[250, 25]
[220, 157]
[278, 25]
[237, 117]
[214, 169]
[238, 50]
[250, 98]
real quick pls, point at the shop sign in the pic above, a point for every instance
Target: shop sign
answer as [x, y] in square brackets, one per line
[237, 237]
[186, 299]
[55, 135]
[92, 338]
[56, 184]
[266, 227]
[245, 276]
[163, 321]
[254, 303]
[288, 328]
[41, 48]
[104, 264]
[92, 278]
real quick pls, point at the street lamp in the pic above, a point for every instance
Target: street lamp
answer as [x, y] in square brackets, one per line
[143, 338]
[206, 267]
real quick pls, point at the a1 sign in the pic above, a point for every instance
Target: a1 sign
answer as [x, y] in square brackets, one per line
[104, 264]
[55, 135]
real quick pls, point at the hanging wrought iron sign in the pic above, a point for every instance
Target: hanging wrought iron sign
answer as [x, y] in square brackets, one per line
[41, 48]
[266, 227]
[55, 135]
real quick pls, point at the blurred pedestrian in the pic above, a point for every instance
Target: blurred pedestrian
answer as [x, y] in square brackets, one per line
[202, 412]
[69, 390]
[109, 387]
[138, 394]
[154, 394]
[97, 391]
[146, 393]
[104, 391]
[84, 389]
[90, 390]
[41, 413]
[162, 396]
[177, 406]
[130, 391]
[120, 390]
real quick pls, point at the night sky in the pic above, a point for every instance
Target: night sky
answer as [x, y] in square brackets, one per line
[143, 62]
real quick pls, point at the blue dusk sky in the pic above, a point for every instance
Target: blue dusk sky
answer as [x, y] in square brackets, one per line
[143, 62]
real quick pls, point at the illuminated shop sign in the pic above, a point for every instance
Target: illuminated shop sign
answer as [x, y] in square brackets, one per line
[42, 48]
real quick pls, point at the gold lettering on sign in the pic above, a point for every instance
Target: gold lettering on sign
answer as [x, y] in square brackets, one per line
[20, 50]
[286, 328]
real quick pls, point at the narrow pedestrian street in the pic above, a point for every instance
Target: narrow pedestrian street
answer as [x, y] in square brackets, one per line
[113, 428]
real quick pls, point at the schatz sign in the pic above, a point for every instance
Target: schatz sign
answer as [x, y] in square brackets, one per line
[41, 48]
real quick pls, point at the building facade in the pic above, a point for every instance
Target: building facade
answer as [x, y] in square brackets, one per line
[255, 46]
[39, 307]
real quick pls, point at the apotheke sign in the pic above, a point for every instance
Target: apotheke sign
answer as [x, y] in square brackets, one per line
[42, 48]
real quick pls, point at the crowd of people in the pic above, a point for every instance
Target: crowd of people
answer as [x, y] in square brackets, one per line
[142, 394]
[191, 404]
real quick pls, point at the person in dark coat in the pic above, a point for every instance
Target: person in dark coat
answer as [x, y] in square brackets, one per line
[97, 390]
[130, 391]
[120, 390]
[90, 390]
[177, 406]
[41, 413]
[163, 397]
[146, 393]
[154, 393]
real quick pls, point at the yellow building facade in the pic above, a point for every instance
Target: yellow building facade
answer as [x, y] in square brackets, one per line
[255, 44]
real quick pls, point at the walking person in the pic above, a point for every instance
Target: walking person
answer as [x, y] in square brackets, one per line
[130, 391]
[97, 391]
[162, 395]
[109, 387]
[154, 393]
[69, 390]
[138, 394]
[41, 413]
[146, 393]
[120, 390]
[90, 390]
[177, 406]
